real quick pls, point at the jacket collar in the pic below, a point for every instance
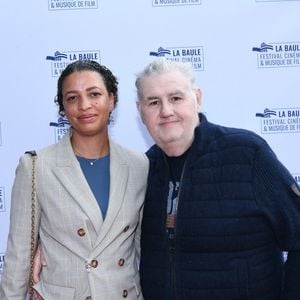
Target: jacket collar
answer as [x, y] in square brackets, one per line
[68, 171]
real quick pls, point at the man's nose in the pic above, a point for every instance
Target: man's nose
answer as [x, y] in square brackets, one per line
[166, 108]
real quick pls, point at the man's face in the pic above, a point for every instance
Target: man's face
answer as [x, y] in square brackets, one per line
[169, 107]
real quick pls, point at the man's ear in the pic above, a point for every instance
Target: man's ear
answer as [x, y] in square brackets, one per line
[139, 108]
[198, 94]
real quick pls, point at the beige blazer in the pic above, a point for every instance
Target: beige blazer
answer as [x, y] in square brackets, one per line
[87, 258]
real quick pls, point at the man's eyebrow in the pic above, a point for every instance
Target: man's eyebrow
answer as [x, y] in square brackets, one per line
[171, 94]
[149, 98]
[177, 92]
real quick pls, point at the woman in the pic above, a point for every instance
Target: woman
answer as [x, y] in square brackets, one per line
[90, 194]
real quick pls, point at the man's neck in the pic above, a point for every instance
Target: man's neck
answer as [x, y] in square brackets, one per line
[175, 149]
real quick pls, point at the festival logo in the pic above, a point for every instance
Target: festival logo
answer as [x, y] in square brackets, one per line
[274, 0]
[61, 127]
[1, 262]
[0, 136]
[278, 55]
[60, 60]
[72, 4]
[2, 200]
[175, 2]
[280, 120]
[297, 178]
[193, 55]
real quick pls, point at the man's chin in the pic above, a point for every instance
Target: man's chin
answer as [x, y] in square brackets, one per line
[166, 143]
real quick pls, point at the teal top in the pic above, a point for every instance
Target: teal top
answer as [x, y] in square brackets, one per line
[96, 172]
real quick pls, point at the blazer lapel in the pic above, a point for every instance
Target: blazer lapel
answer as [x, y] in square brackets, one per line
[68, 172]
[118, 183]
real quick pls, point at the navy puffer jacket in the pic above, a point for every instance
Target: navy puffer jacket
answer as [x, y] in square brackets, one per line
[239, 208]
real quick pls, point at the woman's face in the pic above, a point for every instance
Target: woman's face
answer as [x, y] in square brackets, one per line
[87, 103]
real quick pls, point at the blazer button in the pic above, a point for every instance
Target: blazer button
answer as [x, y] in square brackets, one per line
[81, 232]
[94, 263]
[121, 262]
[126, 228]
[125, 293]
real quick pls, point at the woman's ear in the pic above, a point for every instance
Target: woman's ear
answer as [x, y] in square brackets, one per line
[111, 102]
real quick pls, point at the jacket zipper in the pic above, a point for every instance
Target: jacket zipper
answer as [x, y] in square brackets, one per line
[172, 242]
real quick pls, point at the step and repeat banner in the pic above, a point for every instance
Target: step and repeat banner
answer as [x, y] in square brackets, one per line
[246, 55]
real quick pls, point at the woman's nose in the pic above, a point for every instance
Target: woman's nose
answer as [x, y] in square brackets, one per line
[84, 103]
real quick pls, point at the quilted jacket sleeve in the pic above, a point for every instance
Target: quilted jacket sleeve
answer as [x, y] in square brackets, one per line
[278, 195]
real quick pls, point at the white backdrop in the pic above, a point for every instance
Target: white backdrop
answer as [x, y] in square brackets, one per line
[246, 54]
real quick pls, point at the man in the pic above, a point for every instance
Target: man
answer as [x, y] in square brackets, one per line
[220, 208]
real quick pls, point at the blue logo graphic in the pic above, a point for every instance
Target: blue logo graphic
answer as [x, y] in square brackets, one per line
[0, 136]
[280, 120]
[61, 122]
[274, 0]
[62, 126]
[263, 48]
[57, 56]
[192, 54]
[160, 52]
[2, 200]
[61, 59]
[278, 55]
[1, 262]
[266, 114]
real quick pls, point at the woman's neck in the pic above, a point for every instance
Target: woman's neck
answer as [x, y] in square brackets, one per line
[90, 147]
